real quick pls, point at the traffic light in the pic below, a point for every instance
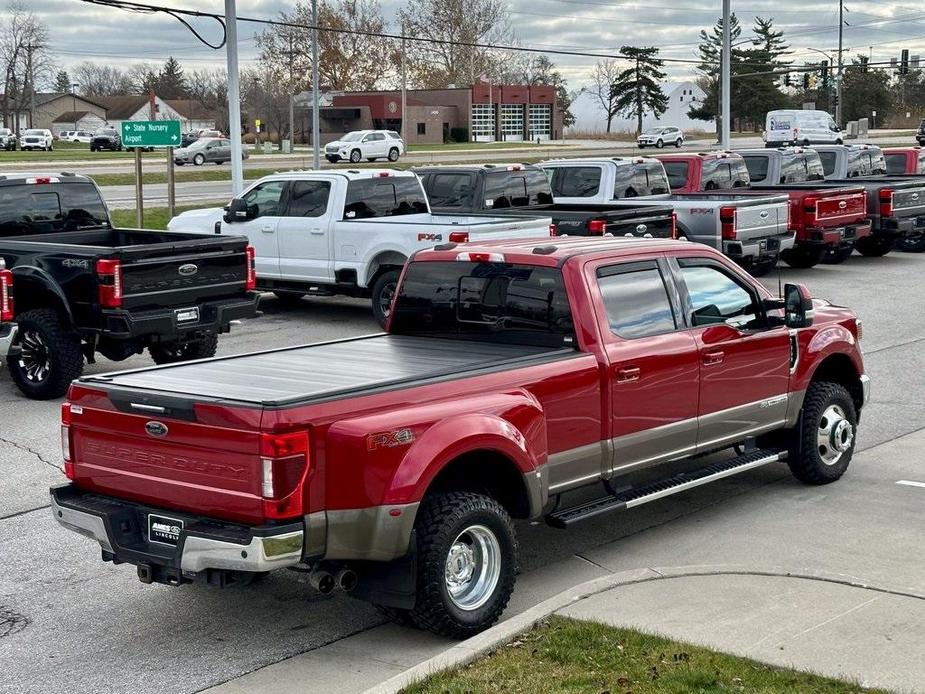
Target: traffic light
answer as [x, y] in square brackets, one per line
[787, 80]
[904, 62]
[825, 74]
[805, 80]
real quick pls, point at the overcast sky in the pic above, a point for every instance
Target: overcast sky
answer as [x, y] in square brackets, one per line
[81, 31]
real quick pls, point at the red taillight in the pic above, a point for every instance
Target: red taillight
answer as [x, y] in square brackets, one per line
[109, 273]
[459, 237]
[597, 227]
[810, 210]
[66, 440]
[727, 221]
[674, 225]
[481, 257]
[886, 203]
[6, 295]
[284, 465]
[553, 230]
[250, 281]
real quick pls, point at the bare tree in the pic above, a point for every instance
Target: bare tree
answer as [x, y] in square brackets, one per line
[101, 80]
[469, 21]
[603, 78]
[25, 61]
[210, 87]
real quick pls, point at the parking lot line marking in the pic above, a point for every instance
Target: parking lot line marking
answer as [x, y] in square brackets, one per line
[910, 483]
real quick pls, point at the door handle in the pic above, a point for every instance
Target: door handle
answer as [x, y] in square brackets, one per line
[268, 230]
[710, 358]
[628, 374]
[317, 231]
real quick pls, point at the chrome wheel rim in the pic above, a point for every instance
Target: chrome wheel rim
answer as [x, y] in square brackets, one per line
[34, 359]
[835, 434]
[473, 567]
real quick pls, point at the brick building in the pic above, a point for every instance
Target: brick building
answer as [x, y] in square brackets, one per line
[510, 113]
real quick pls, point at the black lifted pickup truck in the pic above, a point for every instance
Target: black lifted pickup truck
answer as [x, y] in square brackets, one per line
[83, 287]
[523, 189]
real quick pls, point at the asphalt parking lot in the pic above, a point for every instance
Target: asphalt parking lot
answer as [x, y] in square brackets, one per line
[70, 623]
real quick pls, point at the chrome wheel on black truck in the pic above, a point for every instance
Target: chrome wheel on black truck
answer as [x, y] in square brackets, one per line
[49, 355]
[467, 564]
[824, 439]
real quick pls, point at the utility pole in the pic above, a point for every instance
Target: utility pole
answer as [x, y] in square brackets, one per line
[404, 90]
[234, 98]
[316, 98]
[289, 54]
[725, 136]
[31, 77]
[841, 27]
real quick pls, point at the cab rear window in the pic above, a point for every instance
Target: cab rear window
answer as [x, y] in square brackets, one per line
[369, 198]
[46, 208]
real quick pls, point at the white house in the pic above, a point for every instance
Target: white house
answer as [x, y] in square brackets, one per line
[128, 108]
[589, 116]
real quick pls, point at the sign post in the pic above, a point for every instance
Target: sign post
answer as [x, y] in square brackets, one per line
[140, 134]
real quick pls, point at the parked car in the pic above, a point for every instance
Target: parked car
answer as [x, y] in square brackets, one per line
[660, 136]
[751, 230]
[365, 144]
[37, 138]
[188, 138]
[920, 135]
[216, 151]
[828, 220]
[84, 137]
[704, 171]
[64, 134]
[797, 127]
[904, 160]
[7, 139]
[210, 132]
[84, 287]
[8, 329]
[524, 189]
[106, 138]
[512, 373]
[346, 233]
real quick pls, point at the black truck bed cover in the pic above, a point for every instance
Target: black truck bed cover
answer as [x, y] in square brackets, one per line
[297, 375]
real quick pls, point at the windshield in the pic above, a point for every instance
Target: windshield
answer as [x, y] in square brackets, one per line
[352, 137]
[654, 131]
[199, 144]
[496, 302]
[34, 132]
[40, 209]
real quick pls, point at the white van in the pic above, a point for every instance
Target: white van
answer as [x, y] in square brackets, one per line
[793, 127]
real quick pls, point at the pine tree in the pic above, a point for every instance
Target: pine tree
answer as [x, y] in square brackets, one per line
[170, 81]
[711, 51]
[771, 41]
[62, 82]
[637, 89]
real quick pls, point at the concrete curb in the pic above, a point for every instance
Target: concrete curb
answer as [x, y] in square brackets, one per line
[481, 645]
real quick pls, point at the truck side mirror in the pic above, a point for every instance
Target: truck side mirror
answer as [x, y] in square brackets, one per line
[798, 306]
[236, 211]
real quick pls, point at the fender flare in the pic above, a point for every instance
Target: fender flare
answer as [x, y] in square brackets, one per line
[374, 264]
[832, 340]
[443, 443]
[27, 274]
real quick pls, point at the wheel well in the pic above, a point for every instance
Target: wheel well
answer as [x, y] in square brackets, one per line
[838, 368]
[390, 260]
[485, 472]
[34, 295]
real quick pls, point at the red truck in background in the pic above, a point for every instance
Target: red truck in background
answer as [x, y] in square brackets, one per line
[704, 171]
[512, 375]
[904, 160]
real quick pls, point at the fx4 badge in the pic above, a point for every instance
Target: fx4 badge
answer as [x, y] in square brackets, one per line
[389, 439]
[430, 237]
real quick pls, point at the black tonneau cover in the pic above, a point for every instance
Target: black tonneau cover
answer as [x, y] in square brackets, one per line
[329, 370]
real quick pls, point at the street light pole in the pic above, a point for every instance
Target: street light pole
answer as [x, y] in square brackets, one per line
[316, 98]
[841, 26]
[725, 76]
[74, 95]
[234, 98]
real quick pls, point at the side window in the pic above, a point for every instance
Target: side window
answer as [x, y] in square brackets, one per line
[636, 300]
[656, 180]
[715, 297]
[538, 192]
[739, 174]
[624, 183]
[757, 166]
[449, 189]
[264, 200]
[308, 198]
[576, 181]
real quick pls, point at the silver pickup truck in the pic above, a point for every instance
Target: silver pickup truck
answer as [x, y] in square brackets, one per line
[752, 230]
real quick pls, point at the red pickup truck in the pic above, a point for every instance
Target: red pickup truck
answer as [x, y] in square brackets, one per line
[512, 374]
[904, 160]
[704, 171]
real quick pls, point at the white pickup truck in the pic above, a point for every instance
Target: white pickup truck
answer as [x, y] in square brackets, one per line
[345, 232]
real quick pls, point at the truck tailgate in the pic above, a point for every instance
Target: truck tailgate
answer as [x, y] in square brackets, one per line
[183, 273]
[835, 208]
[762, 220]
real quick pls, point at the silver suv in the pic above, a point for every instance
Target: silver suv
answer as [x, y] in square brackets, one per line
[660, 136]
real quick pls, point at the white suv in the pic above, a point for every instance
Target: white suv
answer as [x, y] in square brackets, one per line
[661, 136]
[366, 144]
[36, 139]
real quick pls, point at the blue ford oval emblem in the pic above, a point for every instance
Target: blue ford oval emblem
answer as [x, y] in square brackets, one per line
[156, 429]
[188, 270]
